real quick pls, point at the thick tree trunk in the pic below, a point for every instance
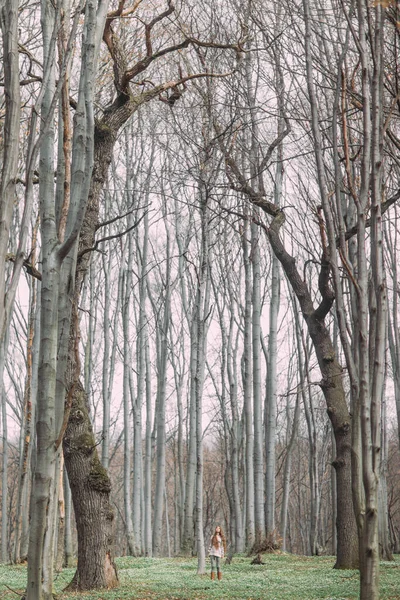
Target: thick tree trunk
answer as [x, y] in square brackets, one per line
[90, 487]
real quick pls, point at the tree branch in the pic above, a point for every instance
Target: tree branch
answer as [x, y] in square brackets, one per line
[111, 221]
[110, 237]
[30, 269]
[384, 207]
[325, 289]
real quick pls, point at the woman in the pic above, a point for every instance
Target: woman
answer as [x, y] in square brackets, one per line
[216, 552]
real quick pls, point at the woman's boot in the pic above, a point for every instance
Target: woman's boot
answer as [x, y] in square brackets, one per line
[219, 575]
[212, 575]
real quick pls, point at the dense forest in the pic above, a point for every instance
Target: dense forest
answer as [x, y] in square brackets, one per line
[199, 255]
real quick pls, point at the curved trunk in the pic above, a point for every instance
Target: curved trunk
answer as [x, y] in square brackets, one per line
[90, 488]
[332, 388]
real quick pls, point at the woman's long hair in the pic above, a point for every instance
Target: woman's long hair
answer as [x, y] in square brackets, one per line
[214, 539]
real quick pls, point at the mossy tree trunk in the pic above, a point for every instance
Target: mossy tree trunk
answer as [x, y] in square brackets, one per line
[90, 487]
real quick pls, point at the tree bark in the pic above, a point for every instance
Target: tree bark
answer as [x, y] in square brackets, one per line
[90, 488]
[148, 454]
[68, 551]
[259, 520]
[127, 358]
[162, 363]
[247, 396]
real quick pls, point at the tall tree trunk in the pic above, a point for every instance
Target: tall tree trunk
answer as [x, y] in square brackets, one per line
[259, 520]
[287, 468]
[271, 384]
[332, 387]
[148, 454]
[42, 501]
[247, 396]
[105, 446]
[60, 516]
[235, 437]
[127, 284]
[4, 462]
[10, 141]
[29, 412]
[312, 444]
[393, 323]
[383, 504]
[162, 357]
[271, 400]
[8, 181]
[188, 528]
[201, 315]
[258, 458]
[68, 551]
[142, 251]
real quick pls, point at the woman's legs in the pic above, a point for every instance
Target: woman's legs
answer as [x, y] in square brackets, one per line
[213, 565]
[218, 561]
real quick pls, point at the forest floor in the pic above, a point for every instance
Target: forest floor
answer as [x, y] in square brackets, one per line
[282, 577]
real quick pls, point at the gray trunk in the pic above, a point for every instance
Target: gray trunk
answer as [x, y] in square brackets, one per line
[148, 455]
[270, 399]
[162, 362]
[4, 465]
[127, 283]
[258, 424]
[68, 549]
[287, 467]
[247, 397]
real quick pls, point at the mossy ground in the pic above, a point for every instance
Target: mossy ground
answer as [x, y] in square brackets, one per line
[283, 577]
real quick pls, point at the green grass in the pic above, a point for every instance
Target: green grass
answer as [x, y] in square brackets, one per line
[283, 577]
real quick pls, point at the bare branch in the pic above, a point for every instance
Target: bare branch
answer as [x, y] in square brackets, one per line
[110, 237]
[384, 207]
[30, 269]
[110, 221]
